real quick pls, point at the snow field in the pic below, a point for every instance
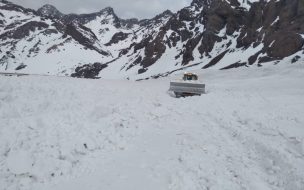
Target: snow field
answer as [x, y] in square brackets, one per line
[245, 133]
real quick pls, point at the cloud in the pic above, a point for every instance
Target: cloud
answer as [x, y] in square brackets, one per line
[123, 8]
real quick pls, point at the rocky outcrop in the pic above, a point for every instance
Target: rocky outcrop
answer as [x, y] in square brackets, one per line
[156, 20]
[50, 11]
[89, 71]
[154, 50]
[277, 25]
[88, 41]
[285, 45]
[129, 23]
[215, 60]
[24, 30]
[9, 6]
[85, 18]
[120, 36]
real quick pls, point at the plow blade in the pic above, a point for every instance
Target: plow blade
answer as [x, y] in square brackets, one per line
[187, 88]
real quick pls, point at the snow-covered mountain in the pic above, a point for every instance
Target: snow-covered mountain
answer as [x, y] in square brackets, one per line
[220, 34]
[49, 11]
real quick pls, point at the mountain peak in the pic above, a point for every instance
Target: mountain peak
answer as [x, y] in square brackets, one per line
[48, 10]
[108, 10]
[165, 14]
[198, 3]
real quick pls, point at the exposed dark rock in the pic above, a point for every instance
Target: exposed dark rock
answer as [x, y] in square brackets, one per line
[154, 50]
[235, 65]
[208, 41]
[85, 18]
[216, 59]
[90, 71]
[20, 67]
[12, 25]
[175, 24]
[35, 49]
[129, 23]
[142, 70]
[156, 20]
[50, 31]
[168, 73]
[285, 45]
[254, 58]
[185, 35]
[188, 52]
[235, 3]
[9, 6]
[136, 62]
[49, 11]
[186, 15]
[24, 30]
[56, 46]
[144, 43]
[123, 52]
[198, 3]
[295, 59]
[120, 36]
[88, 41]
[265, 59]
[174, 38]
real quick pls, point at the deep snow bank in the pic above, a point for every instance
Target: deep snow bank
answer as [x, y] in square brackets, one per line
[63, 133]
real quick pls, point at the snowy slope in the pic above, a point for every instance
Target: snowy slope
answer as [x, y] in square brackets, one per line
[36, 45]
[245, 133]
[219, 34]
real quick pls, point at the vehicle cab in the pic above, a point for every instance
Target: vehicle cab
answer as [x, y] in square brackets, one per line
[190, 77]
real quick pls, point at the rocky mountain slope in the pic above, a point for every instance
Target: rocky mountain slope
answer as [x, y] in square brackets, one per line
[219, 34]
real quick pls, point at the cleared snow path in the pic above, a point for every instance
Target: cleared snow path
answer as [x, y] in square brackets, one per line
[247, 132]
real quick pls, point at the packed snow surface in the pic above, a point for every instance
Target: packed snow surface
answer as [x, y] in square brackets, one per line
[247, 132]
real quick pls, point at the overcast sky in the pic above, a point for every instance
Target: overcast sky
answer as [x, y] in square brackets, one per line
[123, 8]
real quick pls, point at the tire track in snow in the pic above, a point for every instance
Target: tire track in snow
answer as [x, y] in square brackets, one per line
[254, 137]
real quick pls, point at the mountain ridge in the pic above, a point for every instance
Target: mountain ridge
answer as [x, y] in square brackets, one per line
[208, 34]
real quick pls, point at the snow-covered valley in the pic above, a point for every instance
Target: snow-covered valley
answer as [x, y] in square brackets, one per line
[247, 132]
